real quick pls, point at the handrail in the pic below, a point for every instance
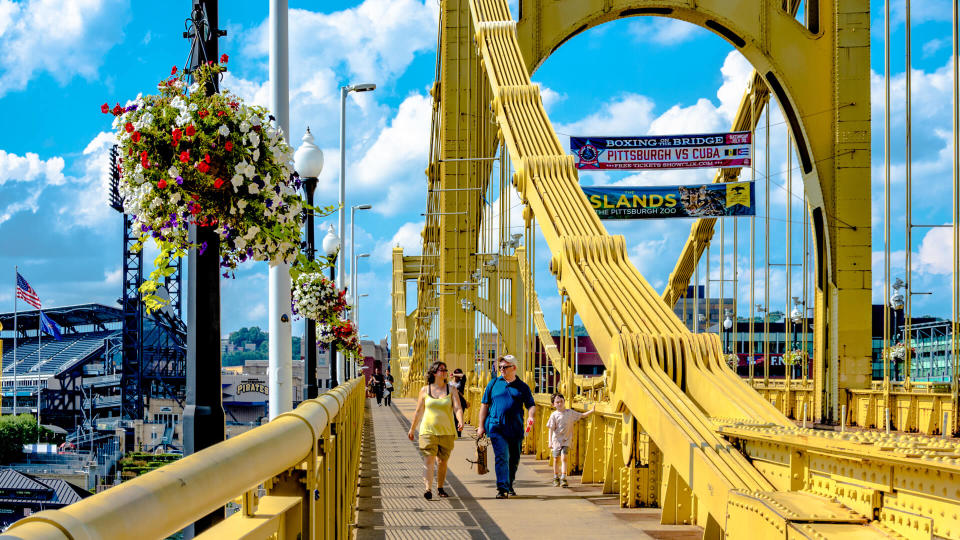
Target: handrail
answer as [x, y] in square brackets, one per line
[306, 460]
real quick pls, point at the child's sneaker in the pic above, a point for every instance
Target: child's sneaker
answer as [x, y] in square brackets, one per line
[556, 481]
[563, 482]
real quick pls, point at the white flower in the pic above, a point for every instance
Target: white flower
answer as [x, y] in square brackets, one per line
[254, 138]
[256, 155]
[183, 119]
[253, 188]
[224, 130]
[242, 204]
[194, 87]
[244, 126]
[173, 172]
[254, 120]
[237, 181]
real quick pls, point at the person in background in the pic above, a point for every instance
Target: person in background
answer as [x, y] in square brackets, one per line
[560, 426]
[376, 385]
[438, 428]
[460, 381]
[501, 418]
[387, 387]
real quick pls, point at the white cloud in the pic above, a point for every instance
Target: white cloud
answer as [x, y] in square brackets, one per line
[87, 196]
[931, 47]
[112, 277]
[936, 252]
[407, 236]
[397, 157]
[393, 32]
[30, 167]
[64, 38]
[549, 97]
[662, 31]
[736, 72]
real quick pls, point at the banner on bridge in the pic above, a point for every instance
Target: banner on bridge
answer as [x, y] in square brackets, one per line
[663, 151]
[708, 200]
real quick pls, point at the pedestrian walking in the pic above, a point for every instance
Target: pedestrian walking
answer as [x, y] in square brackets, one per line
[560, 428]
[460, 381]
[501, 419]
[376, 386]
[387, 388]
[439, 407]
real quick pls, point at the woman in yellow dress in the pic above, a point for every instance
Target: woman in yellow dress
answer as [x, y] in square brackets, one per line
[437, 405]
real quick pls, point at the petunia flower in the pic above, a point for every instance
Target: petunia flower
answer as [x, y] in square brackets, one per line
[105, 108]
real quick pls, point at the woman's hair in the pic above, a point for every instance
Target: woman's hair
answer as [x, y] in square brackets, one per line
[432, 372]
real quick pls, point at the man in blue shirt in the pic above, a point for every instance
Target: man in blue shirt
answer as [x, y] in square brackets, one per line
[501, 419]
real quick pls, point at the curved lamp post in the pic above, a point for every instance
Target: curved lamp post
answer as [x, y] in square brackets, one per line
[331, 246]
[308, 161]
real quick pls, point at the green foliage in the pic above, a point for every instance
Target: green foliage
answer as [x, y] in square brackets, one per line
[244, 335]
[137, 463]
[16, 431]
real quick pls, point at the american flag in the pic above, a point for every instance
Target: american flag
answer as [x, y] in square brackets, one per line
[26, 293]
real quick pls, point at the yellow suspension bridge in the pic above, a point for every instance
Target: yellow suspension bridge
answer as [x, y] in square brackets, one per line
[677, 429]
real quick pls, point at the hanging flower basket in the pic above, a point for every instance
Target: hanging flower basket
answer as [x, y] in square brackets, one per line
[732, 360]
[210, 160]
[342, 336]
[794, 357]
[898, 353]
[316, 297]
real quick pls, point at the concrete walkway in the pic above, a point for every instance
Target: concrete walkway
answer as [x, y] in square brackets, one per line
[392, 505]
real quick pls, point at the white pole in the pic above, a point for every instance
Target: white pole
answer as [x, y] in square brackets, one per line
[886, 418]
[16, 272]
[280, 376]
[843, 418]
[804, 425]
[342, 216]
[944, 427]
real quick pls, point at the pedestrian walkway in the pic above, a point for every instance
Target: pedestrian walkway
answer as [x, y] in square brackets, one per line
[391, 503]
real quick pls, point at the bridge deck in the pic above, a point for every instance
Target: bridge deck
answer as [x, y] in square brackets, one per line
[392, 504]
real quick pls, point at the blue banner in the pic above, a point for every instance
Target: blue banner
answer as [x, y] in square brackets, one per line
[708, 200]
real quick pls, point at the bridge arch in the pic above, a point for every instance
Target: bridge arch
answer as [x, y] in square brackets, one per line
[822, 85]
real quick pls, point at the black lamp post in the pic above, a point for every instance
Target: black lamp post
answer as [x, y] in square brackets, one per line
[308, 161]
[796, 315]
[331, 246]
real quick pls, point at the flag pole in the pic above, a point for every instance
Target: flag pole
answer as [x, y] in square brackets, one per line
[16, 272]
[39, 358]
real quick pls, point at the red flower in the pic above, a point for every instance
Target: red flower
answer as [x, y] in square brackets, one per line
[217, 183]
[228, 146]
[206, 158]
[162, 183]
[173, 70]
[135, 136]
[176, 135]
[203, 167]
[203, 114]
[190, 130]
[221, 113]
[128, 127]
[234, 104]
[117, 110]
[185, 156]
[105, 108]
[224, 58]
[194, 208]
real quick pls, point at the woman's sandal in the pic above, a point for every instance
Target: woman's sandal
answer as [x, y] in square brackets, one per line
[427, 495]
[442, 493]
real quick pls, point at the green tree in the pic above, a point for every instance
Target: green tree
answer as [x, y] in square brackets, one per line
[16, 431]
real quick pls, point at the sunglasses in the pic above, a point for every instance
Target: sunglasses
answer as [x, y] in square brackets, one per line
[505, 366]
[442, 369]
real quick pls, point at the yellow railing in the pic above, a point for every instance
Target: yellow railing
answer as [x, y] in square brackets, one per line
[295, 477]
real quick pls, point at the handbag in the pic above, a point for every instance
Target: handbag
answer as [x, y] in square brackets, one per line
[481, 462]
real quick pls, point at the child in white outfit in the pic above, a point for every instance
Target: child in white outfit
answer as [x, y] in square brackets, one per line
[560, 425]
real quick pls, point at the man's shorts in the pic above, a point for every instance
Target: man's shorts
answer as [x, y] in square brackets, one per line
[437, 445]
[562, 450]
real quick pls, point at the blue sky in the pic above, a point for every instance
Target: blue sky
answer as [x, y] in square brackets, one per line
[61, 59]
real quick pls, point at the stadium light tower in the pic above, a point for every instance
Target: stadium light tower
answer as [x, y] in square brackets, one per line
[308, 160]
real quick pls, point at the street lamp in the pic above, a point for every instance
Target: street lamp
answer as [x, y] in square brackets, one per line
[344, 90]
[308, 161]
[353, 258]
[896, 303]
[796, 315]
[701, 318]
[331, 246]
[727, 327]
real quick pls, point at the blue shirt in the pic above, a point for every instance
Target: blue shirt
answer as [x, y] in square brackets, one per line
[506, 402]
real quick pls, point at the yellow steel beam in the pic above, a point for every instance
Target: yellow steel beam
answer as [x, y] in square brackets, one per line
[167, 499]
